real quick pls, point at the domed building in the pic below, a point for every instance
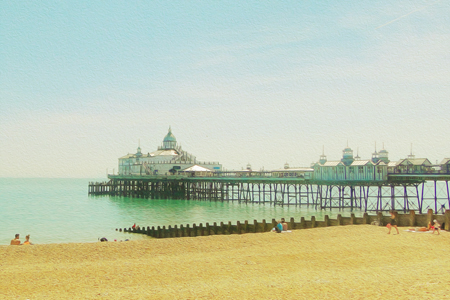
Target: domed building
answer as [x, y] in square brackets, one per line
[168, 159]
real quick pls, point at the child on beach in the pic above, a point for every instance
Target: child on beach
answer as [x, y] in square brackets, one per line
[436, 226]
[392, 222]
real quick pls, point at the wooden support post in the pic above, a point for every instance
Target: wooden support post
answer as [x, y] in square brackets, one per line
[238, 227]
[164, 232]
[222, 228]
[256, 225]
[230, 229]
[207, 229]
[326, 220]
[302, 222]
[292, 224]
[352, 219]
[188, 230]
[313, 221]
[447, 219]
[339, 220]
[246, 230]
[264, 225]
[201, 230]
[365, 218]
[182, 230]
[159, 234]
[380, 218]
[412, 218]
[430, 216]
[194, 230]
[215, 228]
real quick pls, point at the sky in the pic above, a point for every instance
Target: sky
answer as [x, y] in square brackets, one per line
[83, 83]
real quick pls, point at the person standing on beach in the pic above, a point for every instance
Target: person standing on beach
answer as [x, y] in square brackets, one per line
[392, 222]
[16, 240]
[436, 226]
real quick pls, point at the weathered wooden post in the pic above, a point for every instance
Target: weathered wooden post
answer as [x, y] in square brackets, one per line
[188, 230]
[380, 218]
[302, 223]
[182, 230]
[264, 225]
[292, 223]
[447, 219]
[365, 218]
[429, 216]
[256, 225]
[159, 234]
[222, 228]
[215, 228]
[194, 230]
[313, 221]
[352, 219]
[175, 231]
[412, 218]
[201, 229]
[326, 220]
[339, 219]
[274, 223]
[246, 229]
[230, 228]
[154, 232]
[207, 229]
[238, 227]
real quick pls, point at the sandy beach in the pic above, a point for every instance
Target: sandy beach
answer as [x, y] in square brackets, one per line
[345, 262]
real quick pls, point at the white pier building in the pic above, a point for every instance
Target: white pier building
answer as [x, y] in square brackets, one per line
[168, 159]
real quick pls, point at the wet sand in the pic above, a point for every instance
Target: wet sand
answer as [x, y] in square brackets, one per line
[345, 262]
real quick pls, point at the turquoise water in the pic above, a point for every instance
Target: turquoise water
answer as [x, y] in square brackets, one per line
[61, 211]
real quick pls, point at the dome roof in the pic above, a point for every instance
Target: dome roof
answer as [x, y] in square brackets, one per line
[169, 137]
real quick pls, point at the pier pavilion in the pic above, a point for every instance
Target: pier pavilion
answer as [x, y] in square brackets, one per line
[168, 159]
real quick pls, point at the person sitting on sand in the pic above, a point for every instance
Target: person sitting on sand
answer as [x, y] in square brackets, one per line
[436, 226]
[284, 224]
[27, 241]
[16, 240]
[392, 222]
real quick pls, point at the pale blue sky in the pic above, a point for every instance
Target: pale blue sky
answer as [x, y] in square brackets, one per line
[259, 82]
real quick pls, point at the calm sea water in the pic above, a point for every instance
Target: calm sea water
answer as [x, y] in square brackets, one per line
[61, 211]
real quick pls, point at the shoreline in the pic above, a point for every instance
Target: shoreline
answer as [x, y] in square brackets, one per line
[352, 261]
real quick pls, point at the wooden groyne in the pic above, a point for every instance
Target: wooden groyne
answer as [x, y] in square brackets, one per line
[411, 219]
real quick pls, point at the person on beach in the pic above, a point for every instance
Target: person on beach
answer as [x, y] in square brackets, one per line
[284, 224]
[27, 241]
[16, 240]
[436, 226]
[392, 222]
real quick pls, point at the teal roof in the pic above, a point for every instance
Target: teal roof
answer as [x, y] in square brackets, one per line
[170, 137]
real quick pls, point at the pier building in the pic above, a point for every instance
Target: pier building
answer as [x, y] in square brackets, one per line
[168, 159]
[351, 168]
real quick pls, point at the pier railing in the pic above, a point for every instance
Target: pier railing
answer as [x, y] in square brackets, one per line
[412, 219]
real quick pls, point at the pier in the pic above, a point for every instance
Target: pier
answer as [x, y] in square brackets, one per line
[402, 192]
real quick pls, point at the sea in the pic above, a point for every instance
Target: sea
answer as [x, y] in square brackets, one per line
[59, 210]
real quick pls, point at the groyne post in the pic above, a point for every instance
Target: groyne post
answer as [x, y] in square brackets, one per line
[313, 222]
[326, 220]
[447, 219]
[412, 218]
[339, 220]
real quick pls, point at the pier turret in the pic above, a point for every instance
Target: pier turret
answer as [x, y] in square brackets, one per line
[383, 156]
[347, 156]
